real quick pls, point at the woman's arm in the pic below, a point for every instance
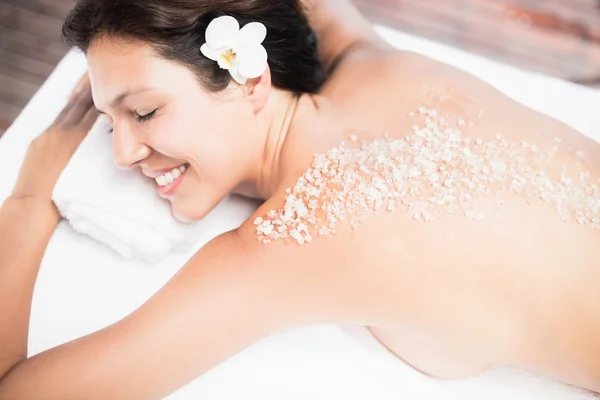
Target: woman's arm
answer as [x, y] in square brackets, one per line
[340, 28]
[26, 225]
[28, 219]
[220, 302]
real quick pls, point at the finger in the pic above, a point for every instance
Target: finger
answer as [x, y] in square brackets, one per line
[63, 113]
[81, 104]
[71, 103]
[82, 85]
[88, 120]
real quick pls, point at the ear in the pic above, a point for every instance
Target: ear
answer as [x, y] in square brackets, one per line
[257, 90]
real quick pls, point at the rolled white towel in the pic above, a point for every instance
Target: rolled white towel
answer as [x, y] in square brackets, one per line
[120, 208]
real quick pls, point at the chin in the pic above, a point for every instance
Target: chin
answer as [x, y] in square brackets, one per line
[186, 215]
[182, 216]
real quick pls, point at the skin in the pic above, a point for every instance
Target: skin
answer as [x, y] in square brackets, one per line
[451, 297]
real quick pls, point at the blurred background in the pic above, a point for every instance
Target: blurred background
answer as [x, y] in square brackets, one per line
[556, 37]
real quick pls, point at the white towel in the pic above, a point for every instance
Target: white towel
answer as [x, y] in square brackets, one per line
[120, 208]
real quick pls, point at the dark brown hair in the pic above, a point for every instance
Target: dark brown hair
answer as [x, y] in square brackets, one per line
[176, 29]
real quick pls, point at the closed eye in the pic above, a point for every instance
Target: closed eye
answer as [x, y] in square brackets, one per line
[144, 118]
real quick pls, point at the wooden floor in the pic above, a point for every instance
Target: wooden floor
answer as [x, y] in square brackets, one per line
[557, 37]
[30, 48]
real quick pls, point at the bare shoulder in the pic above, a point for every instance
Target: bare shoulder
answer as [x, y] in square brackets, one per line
[374, 86]
[380, 66]
[374, 89]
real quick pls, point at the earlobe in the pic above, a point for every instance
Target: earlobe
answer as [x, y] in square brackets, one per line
[257, 90]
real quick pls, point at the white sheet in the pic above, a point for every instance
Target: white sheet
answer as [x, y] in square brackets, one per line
[83, 287]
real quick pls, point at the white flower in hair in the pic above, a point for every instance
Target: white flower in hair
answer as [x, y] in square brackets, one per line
[238, 50]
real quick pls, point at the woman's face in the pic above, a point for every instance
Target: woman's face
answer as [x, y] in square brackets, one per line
[163, 119]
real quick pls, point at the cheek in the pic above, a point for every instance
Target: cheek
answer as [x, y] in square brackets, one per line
[208, 134]
[168, 137]
[176, 133]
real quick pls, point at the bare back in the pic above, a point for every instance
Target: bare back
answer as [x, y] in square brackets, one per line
[453, 297]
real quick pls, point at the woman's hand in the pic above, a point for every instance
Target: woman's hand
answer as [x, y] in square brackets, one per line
[49, 153]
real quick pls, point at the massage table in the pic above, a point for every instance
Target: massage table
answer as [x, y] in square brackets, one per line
[84, 286]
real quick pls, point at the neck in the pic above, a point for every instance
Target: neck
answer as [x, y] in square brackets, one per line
[277, 121]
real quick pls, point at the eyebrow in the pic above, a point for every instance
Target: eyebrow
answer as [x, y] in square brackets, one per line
[120, 98]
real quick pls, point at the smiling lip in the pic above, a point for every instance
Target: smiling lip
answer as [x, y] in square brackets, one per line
[169, 189]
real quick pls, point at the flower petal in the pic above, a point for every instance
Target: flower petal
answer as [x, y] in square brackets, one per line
[252, 61]
[209, 53]
[222, 32]
[236, 76]
[252, 34]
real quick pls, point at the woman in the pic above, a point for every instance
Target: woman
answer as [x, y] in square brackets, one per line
[400, 194]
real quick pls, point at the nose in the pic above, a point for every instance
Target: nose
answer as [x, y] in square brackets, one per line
[128, 150]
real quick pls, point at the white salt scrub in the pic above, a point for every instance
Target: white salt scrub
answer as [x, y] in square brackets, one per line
[435, 170]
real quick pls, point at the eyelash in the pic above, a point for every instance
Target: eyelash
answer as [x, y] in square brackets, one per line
[141, 118]
[144, 118]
